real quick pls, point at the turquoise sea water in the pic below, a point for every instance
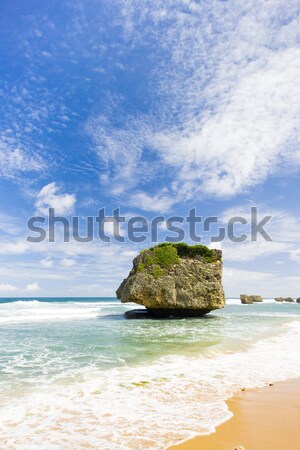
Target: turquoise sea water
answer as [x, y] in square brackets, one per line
[74, 374]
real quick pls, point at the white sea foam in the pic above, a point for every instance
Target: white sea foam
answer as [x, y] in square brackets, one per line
[21, 302]
[24, 311]
[237, 301]
[147, 406]
[50, 314]
[27, 312]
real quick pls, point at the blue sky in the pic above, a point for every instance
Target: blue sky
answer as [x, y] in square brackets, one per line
[156, 108]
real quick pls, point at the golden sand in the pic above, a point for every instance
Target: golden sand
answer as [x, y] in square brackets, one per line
[263, 419]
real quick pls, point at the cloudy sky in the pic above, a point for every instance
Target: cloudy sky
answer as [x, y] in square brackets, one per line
[155, 108]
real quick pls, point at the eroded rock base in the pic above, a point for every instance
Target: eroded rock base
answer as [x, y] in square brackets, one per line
[164, 313]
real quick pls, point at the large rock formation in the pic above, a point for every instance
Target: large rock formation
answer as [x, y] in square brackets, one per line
[298, 300]
[175, 280]
[249, 299]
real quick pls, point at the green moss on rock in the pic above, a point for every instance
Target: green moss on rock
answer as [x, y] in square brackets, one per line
[165, 256]
[158, 258]
[141, 267]
[188, 251]
[157, 271]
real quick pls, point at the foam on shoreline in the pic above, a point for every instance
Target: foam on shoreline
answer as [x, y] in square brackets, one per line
[145, 406]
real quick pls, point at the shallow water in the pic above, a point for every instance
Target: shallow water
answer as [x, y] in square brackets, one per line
[75, 374]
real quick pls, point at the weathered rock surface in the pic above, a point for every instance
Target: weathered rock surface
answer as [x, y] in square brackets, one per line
[245, 299]
[289, 300]
[249, 299]
[175, 280]
[146, 314]
[284, 299]
[137, 314]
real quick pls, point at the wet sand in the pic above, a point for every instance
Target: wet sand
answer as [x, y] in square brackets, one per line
[263, 419]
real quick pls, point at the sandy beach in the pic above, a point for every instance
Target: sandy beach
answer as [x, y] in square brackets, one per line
[263, 419]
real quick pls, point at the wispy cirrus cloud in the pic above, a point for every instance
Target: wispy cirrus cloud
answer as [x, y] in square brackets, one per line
[224, 111]
[250, 136]
[15, 159]
[183, 100]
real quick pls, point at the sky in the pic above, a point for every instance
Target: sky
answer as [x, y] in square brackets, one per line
[155, 108]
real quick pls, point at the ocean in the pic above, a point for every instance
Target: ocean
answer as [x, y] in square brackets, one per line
[75, 375]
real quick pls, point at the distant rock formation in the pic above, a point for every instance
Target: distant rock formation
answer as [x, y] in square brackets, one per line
[285, 299]
[245, 299]
[298, 300]
[175, 280]
[249, 299]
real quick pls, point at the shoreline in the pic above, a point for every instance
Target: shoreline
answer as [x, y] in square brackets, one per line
[263, 419]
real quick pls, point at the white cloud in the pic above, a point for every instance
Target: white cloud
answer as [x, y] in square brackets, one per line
[47, 262]
[111, 227]
[30, 111]
[32, 287]
[155, 203]
[216, 245]
[246, 138]
[15, 159]
[248, 251]
[219, 102]
[223, 119]
[282, 228]
[267, 284]
[295, 255]
[49, 197]
[130, 253]
[46, 54]
[11, 288]
[162, 226]
[14, 248]
[7, 288]
[72, 248]
[10, 225]
[67, 262]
